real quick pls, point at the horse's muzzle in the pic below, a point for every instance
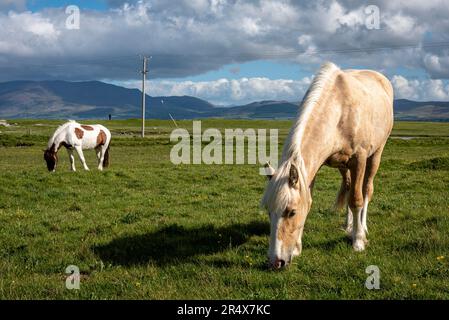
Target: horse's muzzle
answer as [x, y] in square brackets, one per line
[278, 264]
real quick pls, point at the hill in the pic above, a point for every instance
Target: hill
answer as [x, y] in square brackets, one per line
[96, 100]
[90, 99]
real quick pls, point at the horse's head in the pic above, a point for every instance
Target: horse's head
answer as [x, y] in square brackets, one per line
[288, 201]
[51, 157]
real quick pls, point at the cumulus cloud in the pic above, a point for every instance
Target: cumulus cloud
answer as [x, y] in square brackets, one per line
[190, 37]
[229, 91]
[427, 89]
[246, 90]
[438, 66]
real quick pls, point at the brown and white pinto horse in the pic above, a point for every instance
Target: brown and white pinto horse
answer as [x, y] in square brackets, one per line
[75, 136]
[344, 123]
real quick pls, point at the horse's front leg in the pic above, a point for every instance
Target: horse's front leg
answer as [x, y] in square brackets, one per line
[349, 222]
[356, 201]
[72, 159]
[79, 150]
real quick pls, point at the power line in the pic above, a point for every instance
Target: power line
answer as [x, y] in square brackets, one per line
[264, 54]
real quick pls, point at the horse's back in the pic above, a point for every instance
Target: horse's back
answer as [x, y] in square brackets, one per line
[366, 102]
[361, 85]
[88, 136]
[374, 81]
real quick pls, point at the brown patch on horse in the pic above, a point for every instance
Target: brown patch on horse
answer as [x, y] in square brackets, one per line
[79, 133]
[88, 128]
[101, 138]
[51, 157]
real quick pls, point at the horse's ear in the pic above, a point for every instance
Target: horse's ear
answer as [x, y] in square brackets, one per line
[294, 176]
[269, 170]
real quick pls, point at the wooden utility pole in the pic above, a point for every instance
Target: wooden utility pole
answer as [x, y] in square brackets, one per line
[144, 76]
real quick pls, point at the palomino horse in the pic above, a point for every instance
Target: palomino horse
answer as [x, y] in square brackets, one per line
[73, 135]
[345, 121]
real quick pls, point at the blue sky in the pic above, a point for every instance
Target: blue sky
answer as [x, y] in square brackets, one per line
[227, 52]
[36, 5]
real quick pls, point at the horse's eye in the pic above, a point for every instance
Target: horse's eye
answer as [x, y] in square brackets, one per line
[289, 213]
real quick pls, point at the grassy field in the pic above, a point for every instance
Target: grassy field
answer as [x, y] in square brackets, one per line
[147, 229]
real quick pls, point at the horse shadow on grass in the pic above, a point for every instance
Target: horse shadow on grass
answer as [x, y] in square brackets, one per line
[332, 244]
[176, 244]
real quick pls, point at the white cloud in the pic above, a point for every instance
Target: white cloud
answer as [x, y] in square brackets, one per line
[437, 65]
[188, 38]
[246, 90]
[27, 33]
[427, 89]
[401, 25]
[229, 91]
[35, 24]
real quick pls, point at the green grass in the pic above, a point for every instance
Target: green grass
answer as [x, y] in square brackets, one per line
[147, 229]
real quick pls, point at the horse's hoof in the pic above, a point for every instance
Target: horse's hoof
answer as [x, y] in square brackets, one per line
[359, 245]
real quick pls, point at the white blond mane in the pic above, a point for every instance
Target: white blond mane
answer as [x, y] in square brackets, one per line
[292, 145]
[278, 194]
[58, 131]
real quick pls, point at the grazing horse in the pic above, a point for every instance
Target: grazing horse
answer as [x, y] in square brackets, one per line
[345, 120]
[74, 136]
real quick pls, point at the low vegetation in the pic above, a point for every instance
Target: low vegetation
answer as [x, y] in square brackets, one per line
[147, 229]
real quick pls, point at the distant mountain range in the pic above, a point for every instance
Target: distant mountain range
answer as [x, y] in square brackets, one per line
[96, 100]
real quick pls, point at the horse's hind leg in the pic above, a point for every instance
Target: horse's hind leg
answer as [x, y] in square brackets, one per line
[101, 154]
[79, 150]
[342, 198]
[357, 169]
[372, 165]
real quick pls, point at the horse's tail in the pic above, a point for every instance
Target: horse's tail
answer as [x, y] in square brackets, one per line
[341, 201]
[342, 197]
[106, 158]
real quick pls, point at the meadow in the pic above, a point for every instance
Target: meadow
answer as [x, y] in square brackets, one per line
[148, 229]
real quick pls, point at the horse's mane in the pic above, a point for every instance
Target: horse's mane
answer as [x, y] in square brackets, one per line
[278, 192]
[58, 130]
[322, 78]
